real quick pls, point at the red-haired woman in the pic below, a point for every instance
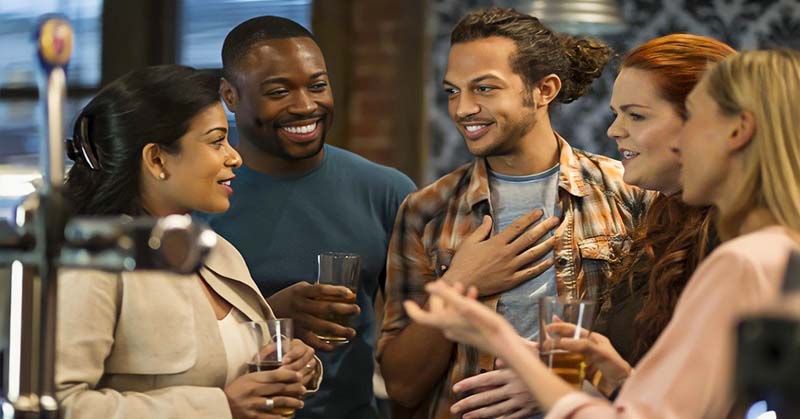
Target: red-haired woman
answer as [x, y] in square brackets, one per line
[648, 101]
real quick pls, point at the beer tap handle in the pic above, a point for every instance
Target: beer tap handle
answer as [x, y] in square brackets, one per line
[54, 42]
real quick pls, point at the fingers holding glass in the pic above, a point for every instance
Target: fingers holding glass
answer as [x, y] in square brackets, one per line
[562, 324]
[272, 344]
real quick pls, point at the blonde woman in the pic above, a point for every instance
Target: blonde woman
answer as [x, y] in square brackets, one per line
[739, 150]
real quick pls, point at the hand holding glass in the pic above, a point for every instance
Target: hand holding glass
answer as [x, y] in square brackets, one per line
[271, 342]
[569, 366]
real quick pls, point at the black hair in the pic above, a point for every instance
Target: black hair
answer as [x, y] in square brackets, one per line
[149, 105]
[540, 51]
[252, 33]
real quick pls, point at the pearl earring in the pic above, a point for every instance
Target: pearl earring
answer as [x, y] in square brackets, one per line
[162, 176]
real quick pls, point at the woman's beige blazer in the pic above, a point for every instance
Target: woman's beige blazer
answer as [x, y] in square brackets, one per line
[147, 344]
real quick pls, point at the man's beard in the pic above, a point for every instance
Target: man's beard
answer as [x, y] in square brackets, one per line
[507, 141]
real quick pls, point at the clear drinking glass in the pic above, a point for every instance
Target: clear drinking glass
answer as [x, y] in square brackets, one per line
[272, 340]
[581, 313]
[343, 269]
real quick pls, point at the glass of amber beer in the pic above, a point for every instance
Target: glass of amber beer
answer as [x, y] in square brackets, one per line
[271, 340]
[579, 312]
[343, 269]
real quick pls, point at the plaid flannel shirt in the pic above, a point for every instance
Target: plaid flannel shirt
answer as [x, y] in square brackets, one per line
[598, 213]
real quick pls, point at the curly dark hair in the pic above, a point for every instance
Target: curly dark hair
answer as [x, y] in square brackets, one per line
[540, 51]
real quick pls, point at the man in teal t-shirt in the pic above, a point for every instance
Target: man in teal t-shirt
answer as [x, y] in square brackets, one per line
[296, 197]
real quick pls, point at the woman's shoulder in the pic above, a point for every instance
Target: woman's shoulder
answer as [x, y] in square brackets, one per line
[750, 265]
[226, 260]
[226, 268]
[76, 282]
[761, 247]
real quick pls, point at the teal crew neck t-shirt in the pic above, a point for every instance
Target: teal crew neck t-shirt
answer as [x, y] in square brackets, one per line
[280, 225]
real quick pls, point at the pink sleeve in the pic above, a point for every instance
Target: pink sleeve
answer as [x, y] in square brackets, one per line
[583, 406]
[688, 373]
[579, 405]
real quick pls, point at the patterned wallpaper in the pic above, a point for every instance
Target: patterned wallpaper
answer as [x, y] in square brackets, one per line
[744, 24]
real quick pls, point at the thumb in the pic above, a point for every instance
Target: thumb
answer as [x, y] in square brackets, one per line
[482, 232]
[472, 292]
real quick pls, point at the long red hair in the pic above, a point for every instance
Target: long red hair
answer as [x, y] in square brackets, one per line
[674, 237]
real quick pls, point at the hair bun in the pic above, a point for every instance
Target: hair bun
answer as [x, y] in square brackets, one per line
[587, 57]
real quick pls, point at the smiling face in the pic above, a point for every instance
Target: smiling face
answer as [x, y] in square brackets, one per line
[646, 129]
[199, 174]
[282, 98]
[489, 103]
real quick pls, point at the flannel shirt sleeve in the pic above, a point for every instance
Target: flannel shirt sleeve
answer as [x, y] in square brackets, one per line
[408, 270]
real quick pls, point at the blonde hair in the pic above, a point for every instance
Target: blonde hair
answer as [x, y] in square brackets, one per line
[767, 84]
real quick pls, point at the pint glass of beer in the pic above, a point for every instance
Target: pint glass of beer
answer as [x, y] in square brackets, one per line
[343, 269]
[581, 313]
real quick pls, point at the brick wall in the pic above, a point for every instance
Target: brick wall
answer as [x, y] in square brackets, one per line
[377, 65]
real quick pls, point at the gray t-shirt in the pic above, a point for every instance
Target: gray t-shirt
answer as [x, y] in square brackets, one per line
[512, 197]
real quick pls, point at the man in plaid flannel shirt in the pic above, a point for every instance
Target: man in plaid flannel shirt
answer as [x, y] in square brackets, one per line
[504, 70]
